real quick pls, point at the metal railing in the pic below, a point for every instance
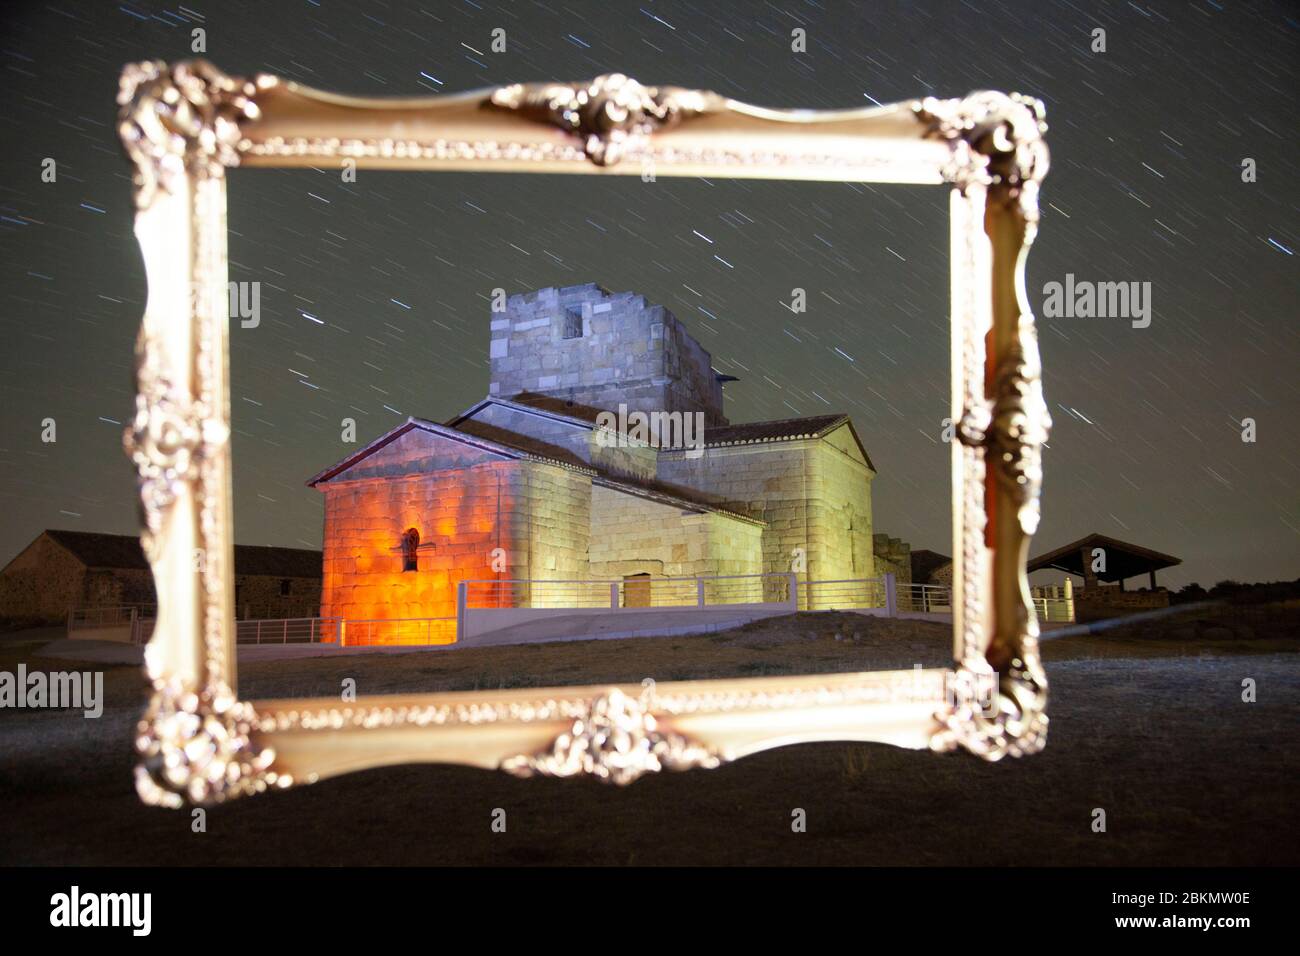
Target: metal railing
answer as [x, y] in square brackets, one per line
[111, 615]
[847, 594]
[882, 593]
[1054, 609]
[1054, 602]
[503, 593]
[274, 612]
[924, 598]
[80, 618]
[301, 630]
[628, 592]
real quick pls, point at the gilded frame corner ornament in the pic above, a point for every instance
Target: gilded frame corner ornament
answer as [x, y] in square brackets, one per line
[182, 125]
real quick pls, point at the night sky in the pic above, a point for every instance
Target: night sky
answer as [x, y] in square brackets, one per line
[375, 294]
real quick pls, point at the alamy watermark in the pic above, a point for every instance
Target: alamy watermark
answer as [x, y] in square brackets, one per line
[57, 690]
[667, 430]
[1083, 299]
[129, 910]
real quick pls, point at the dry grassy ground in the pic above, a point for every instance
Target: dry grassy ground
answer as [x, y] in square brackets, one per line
[1147, 723]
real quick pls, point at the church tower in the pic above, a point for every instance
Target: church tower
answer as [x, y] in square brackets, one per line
[583, 347]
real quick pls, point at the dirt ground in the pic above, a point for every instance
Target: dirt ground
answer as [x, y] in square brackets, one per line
[1148, 724]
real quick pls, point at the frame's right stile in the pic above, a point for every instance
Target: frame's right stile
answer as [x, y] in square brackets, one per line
[1000, 417]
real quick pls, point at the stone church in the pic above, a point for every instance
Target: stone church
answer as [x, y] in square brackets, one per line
[536, 470]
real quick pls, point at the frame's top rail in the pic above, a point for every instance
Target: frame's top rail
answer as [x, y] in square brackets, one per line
[611, 124]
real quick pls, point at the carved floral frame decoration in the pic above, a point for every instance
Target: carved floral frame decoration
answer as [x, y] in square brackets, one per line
[184, 124]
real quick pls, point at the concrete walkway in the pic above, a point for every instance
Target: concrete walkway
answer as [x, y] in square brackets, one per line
[671, 622]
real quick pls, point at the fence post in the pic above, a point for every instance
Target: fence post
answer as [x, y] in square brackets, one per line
[343, 631]
[891, 595]
[613, 595]
[793, 588]
[462, 595]
[699, 591]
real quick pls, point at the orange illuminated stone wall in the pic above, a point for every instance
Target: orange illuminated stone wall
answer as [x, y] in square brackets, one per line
[456, 514]
[465, 503]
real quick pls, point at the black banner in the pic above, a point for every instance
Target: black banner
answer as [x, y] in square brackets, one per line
[250, 907]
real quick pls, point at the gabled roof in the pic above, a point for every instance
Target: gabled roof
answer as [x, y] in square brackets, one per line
[96, 550]
[516, 454]
[271, 562]
[789, 429]
[672, 500]
[784, 429]
[574, 420]
[121, 552]
[452, 434]
[748, 433]
[1123, 560]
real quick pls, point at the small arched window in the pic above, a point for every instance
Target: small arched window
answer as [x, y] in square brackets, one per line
[410, 549]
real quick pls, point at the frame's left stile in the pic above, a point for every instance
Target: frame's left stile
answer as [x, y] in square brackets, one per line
[180, 127]
[184, 124]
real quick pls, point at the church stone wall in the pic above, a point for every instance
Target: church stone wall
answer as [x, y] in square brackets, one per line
[692, 384]
[551, 522]
[633, 535]
[766, 482]
[840, 524]
[813, 495]
[461, 516]
[736, 547]
[537, 514]
[584, 346]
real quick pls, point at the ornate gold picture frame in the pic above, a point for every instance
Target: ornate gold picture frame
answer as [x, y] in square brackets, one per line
[184, 124]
